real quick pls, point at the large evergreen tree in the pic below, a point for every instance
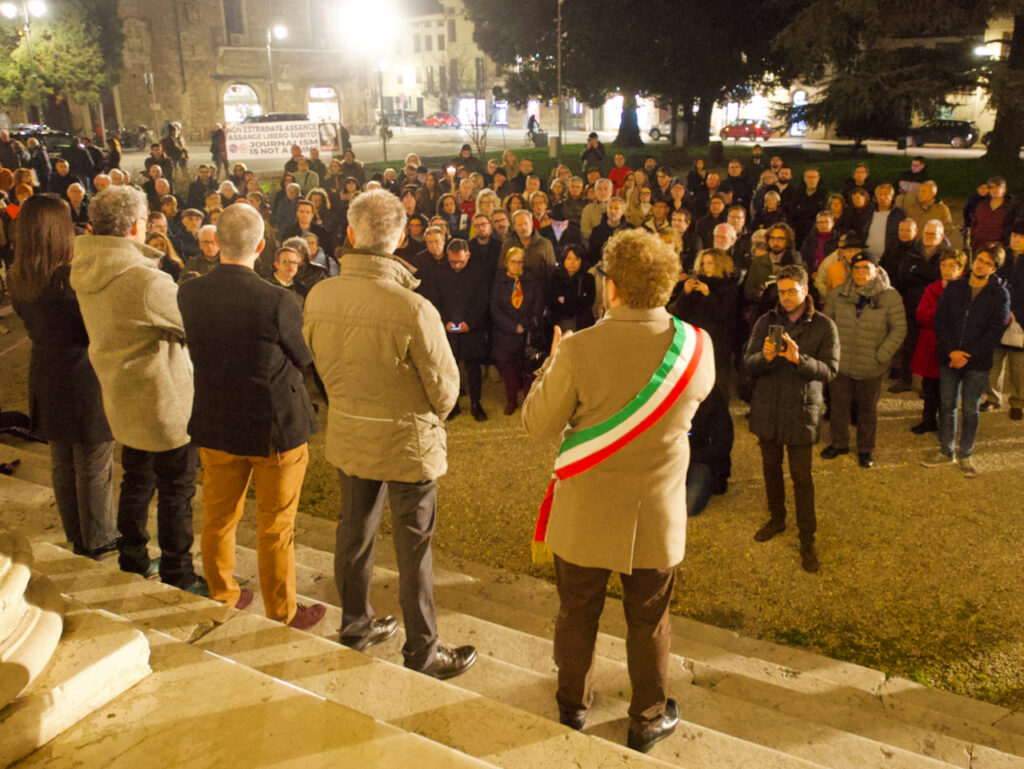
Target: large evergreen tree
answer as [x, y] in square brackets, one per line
[75, 51]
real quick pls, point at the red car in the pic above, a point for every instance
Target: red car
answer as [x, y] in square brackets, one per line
[746, 129]
[441, 120]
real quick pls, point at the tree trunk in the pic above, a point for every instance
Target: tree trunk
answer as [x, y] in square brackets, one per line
[629, 131]
[1008, 132]
[702, 122]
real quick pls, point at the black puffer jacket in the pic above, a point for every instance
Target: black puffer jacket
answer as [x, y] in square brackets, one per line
[788, 399]
[972, 325]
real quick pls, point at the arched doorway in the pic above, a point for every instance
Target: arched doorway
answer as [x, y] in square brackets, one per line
[322, 105]
[240, 101]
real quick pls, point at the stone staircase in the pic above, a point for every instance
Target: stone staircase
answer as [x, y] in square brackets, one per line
[744, 702]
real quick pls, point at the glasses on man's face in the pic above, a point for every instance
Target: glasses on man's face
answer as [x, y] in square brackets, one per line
[985, 261]
[789, 292]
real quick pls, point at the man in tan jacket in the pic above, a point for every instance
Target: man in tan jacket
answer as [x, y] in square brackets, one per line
[391, 380]
[621, 395]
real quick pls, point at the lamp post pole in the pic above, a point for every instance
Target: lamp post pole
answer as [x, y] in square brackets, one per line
[270, 71]
[559, 75]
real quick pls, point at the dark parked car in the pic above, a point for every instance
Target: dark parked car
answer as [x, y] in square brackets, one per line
[746, 129]
[407, 118]
[955, 133]
[55, 141]
[276, 117]
[441, 120]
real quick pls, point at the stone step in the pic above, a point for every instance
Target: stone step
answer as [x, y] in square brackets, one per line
[26, 652]
[27, 493]
[199, 710]
[516, 668]
[98, 658]
[15, 573]
[33, 466]
[841, 695]
[439, 711]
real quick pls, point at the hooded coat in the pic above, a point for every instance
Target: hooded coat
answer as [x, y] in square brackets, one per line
[136, 340]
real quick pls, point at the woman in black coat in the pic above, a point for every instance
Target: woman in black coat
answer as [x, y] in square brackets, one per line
[64, 393]
[571, 292]
[517, 302]
[709, 300]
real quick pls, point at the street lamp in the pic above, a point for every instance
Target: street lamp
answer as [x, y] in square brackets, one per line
[29, 9]
[274, 32]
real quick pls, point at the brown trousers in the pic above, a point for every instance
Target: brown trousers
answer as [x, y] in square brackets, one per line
[278, 483]
[647, 594]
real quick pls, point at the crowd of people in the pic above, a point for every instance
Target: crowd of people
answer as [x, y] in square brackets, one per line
[808, 300]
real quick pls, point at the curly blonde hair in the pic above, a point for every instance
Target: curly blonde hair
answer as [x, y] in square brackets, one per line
[643, 266]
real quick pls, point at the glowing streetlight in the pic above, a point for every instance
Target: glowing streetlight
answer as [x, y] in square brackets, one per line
[9, 10]
[37, 8]
[279, 31]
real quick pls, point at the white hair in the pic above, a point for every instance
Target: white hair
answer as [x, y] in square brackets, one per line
[377, 219]
[227, 186]
[239, 232]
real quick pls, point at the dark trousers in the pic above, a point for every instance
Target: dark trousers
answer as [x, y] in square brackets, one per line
[803, 484]
[844, 392]
[647, 595]
[906, 352]
[930, 410]
[82, 477]
[699, 488]
[466, 352]
[413, 514]
[172, 475]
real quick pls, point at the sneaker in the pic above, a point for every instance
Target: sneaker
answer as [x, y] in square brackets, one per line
[769, 530]
[1016, 413]
[307, 616]
[937, 459]
[967, 468]
[478, 412]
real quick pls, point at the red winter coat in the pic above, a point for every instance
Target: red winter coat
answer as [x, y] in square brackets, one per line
[924, 363]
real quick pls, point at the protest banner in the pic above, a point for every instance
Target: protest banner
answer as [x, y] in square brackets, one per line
[254, 141]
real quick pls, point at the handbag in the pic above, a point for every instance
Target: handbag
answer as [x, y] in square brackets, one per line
[1013, 336]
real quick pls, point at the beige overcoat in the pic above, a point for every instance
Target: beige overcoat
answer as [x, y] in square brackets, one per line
[629, 512]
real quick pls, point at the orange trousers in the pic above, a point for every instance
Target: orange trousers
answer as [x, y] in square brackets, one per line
[278, 483]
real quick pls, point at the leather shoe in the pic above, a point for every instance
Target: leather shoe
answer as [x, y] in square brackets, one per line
[450, 661]
[924, 427]
[454, 413]
[1016, 413]
[900, 387]
[574, 718]
[510, 408]
[865, 460]
[381, 629]
[659, 730]
[808, 557]
[307, 616]
[831, 452]
[769, 530]
[244, 599]
[478, 412]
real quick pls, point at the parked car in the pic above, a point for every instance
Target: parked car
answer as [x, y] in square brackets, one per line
[441, 120]
[746, 129]
[955, 133]
[661, 131]
[55, 141]
[276, 117]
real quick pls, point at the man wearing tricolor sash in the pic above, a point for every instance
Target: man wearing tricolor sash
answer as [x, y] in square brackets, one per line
[621, 395]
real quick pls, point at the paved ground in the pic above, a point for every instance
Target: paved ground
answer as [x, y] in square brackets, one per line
[922, 570]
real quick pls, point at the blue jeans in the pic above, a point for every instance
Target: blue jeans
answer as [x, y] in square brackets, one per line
[968, 386]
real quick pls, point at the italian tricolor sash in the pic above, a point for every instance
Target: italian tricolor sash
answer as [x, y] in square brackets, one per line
[588, 448]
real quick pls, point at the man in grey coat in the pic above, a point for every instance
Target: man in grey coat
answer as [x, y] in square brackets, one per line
[872, 323]
[137, 347]
[391, 380]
